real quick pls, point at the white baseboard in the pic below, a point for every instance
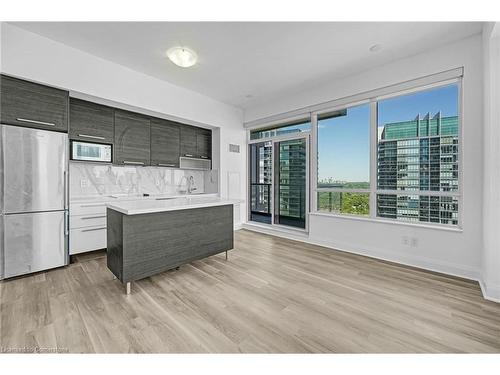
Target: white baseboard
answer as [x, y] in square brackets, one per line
[491, 293]
[433, 265]
[291, 234]
[448, 268]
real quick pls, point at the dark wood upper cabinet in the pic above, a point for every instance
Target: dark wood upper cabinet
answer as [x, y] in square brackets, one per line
[132, 138]
[91, 122]
[196, 142]
[29, 104]
[165, 143]
[204, 143]
[188, 141]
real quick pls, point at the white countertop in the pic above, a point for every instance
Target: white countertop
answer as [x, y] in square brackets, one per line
[131, 197]
[146, 206]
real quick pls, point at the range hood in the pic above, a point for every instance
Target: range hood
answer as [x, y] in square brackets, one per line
[195, 163]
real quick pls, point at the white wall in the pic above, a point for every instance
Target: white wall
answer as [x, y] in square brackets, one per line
[28, 55]
[491, 151]
[454, 252]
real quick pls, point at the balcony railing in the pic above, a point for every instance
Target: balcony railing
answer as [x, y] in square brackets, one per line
[260, 194]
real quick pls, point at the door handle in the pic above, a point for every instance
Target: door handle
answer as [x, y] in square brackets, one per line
[36, 121]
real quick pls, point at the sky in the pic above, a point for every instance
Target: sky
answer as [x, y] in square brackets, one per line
[344, 142]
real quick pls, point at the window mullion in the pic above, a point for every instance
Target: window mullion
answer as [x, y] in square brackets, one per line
[313, 160]
[373, 158]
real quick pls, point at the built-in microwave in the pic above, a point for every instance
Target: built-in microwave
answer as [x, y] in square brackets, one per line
[86, 151]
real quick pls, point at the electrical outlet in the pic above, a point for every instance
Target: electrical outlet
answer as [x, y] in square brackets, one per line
[405, 240]
[414, 242]
[84, 183]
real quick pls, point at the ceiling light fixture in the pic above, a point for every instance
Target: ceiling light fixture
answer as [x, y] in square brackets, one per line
[375, 48]
[182, 56]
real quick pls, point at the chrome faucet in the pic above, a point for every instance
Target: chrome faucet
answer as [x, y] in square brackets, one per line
[190, 184]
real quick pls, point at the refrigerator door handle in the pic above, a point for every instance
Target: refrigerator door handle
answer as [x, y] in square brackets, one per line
[66, 222]
[66, 192]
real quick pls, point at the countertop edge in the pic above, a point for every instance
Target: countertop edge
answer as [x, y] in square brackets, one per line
[139, 211]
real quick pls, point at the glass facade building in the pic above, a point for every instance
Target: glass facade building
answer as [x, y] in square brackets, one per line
[291, 182]
[419, 156]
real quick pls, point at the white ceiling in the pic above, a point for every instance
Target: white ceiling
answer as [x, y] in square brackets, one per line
[244, 64]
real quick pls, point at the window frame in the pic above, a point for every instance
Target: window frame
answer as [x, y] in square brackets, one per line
[373, 191]
[452, 76]
[305, 134]
[314, 161]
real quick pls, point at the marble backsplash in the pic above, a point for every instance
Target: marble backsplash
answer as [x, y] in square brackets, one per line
[90, 179]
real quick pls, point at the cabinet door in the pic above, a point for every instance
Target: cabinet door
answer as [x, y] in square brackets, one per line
[28, 104]
[132, 138]
[91, 122]
[165, 143]
[188, 141]
[204, 143]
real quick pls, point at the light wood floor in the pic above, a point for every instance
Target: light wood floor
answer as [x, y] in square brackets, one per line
[273, 295]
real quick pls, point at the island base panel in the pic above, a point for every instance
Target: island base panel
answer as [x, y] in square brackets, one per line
[143, 245]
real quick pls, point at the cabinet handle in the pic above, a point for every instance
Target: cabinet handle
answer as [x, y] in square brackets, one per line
[93, 229]
[93, 205]
[90, 136]
[189, 155]
[36, 122]
[204, 157]
[93, 217]
[166, 165]
[133, 162]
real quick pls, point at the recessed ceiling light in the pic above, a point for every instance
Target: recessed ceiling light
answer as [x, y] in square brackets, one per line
[182, 56]
[249, 96]
[375, 48]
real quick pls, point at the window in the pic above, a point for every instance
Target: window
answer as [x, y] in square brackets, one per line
[415, 140]
[393, 153]
[417, 154]
[344, 161]
[284, 129]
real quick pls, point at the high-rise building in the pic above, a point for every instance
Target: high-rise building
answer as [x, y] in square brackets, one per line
[292, 179]
[419, 155]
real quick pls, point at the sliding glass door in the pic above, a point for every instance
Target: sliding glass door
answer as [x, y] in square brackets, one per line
[279, 181]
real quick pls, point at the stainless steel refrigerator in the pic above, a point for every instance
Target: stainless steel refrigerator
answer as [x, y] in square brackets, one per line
[33, 200]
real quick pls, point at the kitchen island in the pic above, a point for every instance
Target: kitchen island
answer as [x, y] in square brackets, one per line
[147, 237]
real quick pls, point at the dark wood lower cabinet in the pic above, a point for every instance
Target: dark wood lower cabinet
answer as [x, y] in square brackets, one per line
[143, 245]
